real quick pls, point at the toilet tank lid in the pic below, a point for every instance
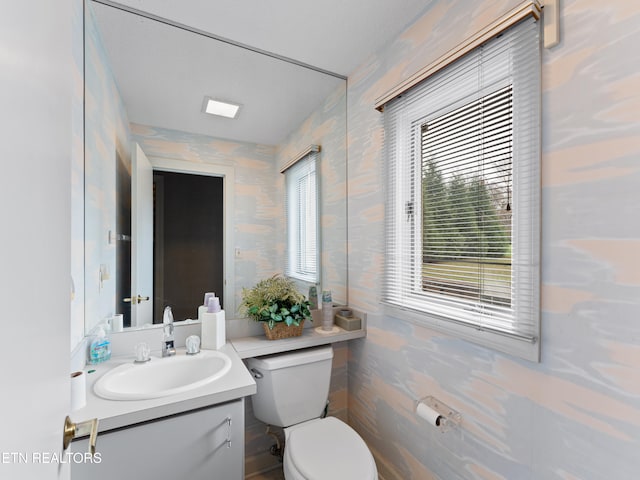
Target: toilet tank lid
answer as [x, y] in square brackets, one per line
[292, 358]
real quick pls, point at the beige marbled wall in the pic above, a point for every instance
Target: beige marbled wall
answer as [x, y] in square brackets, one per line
[576, 414]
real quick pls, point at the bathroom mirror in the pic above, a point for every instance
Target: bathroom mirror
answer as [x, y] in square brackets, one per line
[146, 79]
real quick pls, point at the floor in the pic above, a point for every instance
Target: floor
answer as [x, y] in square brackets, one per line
[275, 474]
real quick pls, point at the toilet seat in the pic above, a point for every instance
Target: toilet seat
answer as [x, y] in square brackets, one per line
[327, 449]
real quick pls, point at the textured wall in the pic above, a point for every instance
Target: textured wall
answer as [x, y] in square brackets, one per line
[576, 414]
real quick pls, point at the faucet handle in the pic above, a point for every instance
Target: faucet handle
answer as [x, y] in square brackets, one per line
[142, 352]
[193, 344]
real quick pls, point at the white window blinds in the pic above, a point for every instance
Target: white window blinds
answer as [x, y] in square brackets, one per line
[302, 219]
[462, 199]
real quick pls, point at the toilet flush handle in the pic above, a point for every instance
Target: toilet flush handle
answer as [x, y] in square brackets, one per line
[256, 373]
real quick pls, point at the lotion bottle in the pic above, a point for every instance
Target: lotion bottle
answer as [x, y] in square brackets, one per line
[213, 326]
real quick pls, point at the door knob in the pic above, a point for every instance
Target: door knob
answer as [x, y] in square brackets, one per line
[135, 300]
[80, 429]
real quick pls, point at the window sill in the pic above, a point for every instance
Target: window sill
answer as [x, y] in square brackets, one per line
[520, 348]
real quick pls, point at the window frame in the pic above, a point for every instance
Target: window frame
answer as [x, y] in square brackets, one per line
[411, 305]
[304, 167]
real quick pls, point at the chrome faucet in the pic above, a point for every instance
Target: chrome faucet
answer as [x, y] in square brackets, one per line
[168, 348]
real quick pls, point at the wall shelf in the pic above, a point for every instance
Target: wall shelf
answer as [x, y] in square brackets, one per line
[255, 346]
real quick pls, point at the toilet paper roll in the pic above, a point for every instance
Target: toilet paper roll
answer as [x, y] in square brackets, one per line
[429, 414]
[78, 390]
[117, 322]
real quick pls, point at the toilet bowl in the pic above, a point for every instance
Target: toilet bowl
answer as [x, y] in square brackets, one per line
[326, 449]
[292, 392]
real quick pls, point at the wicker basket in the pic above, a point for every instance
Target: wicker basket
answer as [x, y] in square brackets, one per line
[280, 330]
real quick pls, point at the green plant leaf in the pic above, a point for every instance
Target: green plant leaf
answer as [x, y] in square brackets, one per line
[276, 296]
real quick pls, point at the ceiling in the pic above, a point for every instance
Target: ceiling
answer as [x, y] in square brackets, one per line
[165, 61]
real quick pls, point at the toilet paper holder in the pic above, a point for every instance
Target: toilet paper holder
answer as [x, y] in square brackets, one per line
[438, 413]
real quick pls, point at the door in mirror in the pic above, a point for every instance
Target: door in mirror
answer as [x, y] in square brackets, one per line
[142, 238]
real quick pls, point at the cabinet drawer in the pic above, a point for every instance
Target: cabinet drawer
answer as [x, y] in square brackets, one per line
[202, 444]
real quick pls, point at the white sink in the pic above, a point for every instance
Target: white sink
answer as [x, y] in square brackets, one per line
[162, 377]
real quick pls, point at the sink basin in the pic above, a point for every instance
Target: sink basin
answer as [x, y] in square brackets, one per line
[162, 377]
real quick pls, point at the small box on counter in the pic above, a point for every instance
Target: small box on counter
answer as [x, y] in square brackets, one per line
[348, 322]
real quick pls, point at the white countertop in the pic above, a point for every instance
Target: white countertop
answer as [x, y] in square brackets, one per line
[237, 383]
[255, 346]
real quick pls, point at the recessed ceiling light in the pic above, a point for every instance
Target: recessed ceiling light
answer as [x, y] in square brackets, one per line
[218, 107]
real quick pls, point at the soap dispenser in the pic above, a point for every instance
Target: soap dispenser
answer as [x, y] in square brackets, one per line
[100, 349]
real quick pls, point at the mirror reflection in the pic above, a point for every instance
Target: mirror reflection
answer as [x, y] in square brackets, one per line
[146, 82]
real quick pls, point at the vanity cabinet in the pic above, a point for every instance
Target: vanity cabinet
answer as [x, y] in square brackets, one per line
[202, 444]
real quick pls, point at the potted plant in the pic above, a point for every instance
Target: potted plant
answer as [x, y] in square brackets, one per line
[276, 303]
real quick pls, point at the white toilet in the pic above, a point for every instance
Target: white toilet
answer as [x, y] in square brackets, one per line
[292, 393]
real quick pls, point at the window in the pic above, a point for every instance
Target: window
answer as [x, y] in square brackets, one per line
[462, 199]
[302, 218]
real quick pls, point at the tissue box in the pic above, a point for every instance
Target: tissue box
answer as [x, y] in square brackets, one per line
[348, 323]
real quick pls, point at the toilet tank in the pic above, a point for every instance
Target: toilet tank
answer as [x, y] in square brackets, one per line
[292, 387]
